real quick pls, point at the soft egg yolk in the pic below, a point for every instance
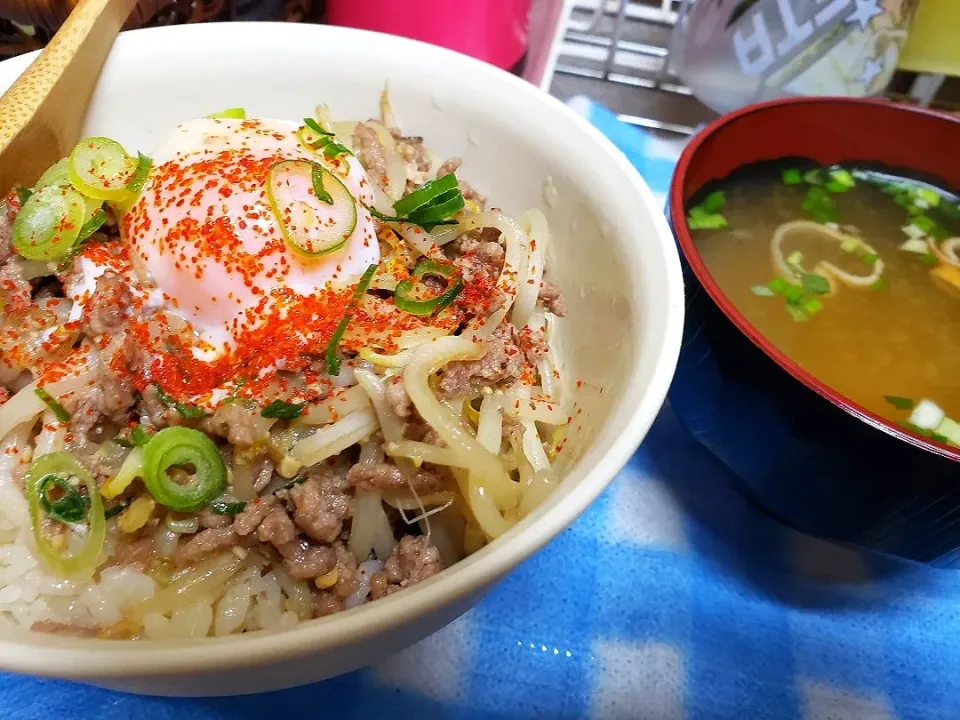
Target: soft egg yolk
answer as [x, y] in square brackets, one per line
[204, 233]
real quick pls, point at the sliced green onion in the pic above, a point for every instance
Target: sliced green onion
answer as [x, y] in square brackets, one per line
[870, 258]
[928, 259]
[779, 286]
[311, 226]
[101, 169]
[283, 410]
[63, 466]
[850, 244]
[224, 507]
[144, 164]
[792, 177]
[797, 313]
[405, 296]
[700, 219]
[180, 447]
[949, 430]
[923, 224]
[816, 176]
[58, 410]
[230, 114]
[929, 196]
[185, 409]
[900, 403]
[811, 306]
[762, 291]
[333, 359]
[819, 205]
[57, 174]
[795, 258]
[842, 178]
[49, 223]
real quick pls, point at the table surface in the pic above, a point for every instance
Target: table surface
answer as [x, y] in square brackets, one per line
[671, 598]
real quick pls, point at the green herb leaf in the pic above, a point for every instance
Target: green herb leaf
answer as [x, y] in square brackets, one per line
[139, 436]
[283, 410]
[185, 409]
[779, 286]
[315, 126]
[819, 205]
[792, 177]
[332, 358]
[58, 410]
[92, 225]
[109, 512]
[714, 202]
[316, 177]
[65, 504]
[223, 507]
[815, 284]
[900, 403]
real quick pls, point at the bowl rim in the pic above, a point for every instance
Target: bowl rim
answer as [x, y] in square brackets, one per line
[634, 410]
[684, 237]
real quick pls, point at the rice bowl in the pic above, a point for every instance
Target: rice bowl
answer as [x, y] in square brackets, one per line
[619, 391]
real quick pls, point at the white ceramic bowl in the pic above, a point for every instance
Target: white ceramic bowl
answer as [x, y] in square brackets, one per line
[612, 253]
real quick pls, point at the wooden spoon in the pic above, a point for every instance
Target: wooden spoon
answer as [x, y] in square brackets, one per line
[41, 113]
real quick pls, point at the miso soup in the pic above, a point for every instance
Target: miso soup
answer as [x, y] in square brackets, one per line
[852, 273]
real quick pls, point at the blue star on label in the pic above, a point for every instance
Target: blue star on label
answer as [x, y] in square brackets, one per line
[871, 70]
[865, 11]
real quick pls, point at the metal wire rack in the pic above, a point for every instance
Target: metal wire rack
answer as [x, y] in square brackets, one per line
[617, 52]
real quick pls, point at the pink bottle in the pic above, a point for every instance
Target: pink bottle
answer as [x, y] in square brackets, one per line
[494, 31]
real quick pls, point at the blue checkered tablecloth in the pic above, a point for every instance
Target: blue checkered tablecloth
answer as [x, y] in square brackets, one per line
[672, 598]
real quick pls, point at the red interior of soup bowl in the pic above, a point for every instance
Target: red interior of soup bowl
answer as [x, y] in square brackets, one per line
[829, 131]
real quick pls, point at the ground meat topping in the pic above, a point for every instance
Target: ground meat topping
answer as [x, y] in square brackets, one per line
[305, 562]
[369, 151]
[209, 519]
[14, 288]
[277, 529]
[6, 230]
[321, 506]
[108, 306]
[236, 423]
[502, 361]
[551, 299]
[206, 542]
[384, 476]
[133, 552]
[413, 559]
[253, 514]
[397, 397]
[482, 260]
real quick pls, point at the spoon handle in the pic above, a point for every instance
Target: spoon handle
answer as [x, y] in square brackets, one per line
[42, 112]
